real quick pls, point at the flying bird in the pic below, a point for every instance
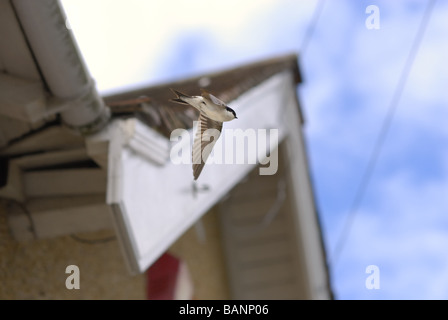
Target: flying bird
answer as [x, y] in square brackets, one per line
[212, 113]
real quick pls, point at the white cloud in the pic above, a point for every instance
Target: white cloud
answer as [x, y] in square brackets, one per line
[123, 42]
[405, 233]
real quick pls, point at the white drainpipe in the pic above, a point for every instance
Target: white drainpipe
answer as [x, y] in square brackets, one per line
[62, 65]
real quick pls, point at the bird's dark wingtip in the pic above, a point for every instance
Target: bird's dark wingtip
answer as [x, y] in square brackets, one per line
[179, 94]
[177, 100]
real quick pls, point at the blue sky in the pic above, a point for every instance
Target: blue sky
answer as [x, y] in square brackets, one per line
[350, 74]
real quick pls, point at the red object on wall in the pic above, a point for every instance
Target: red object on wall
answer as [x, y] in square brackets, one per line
[168, 279]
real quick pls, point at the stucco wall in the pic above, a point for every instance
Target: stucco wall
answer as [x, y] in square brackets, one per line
[36, 269]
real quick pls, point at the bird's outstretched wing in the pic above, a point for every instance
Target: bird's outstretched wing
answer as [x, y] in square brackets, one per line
[206, 136]
[212, 98]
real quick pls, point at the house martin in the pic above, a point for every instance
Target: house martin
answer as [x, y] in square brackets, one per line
[212, 113]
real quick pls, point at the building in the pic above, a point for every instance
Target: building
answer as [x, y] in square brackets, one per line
[74, 162]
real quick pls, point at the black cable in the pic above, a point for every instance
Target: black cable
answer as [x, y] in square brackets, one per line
[312, 26]
[383, 133]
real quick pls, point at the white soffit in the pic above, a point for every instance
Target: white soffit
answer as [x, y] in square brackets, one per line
[15, 56]
[154, 204]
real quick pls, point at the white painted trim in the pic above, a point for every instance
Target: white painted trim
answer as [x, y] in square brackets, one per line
[64, 182]
[305, 221]
[21, 99]
[15, 189]
[57, 216]
[146, 141]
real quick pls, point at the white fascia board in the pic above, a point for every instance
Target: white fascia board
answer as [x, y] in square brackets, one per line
[56, 216]
[306, 223]
[15, 189]
[154, 205]
[145, 141]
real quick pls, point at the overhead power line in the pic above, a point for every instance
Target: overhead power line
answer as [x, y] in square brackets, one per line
[383, 133]
[312, 26]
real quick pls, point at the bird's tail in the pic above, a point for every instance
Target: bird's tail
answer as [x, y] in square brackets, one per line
[180, 97]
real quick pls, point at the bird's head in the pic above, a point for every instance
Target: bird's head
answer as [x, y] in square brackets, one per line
[231, 113]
